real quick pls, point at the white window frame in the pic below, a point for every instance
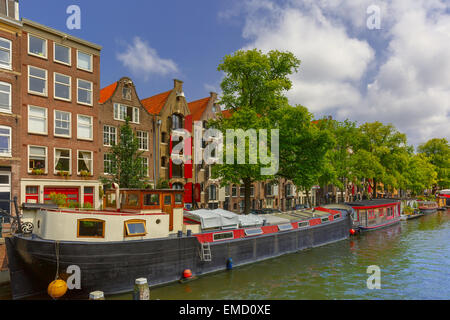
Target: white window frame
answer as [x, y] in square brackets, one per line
[7, 154]
[142, 140]
[46, 158]
[147, 165]
[9, 65]
[70, 124]
[92, 161]
[46, 81]
[92, 61]
[54, 159]
[135, 118]
[10, 97]
[62, 62]
[91, 91]
[109, 135]
[46, 120]
[105, 159]
[134, 113]
[34, 54]
[91, 126]
[54, 86]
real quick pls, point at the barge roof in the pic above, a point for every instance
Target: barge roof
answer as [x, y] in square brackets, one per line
[372, 203]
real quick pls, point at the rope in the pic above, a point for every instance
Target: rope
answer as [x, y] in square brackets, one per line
[57, 259]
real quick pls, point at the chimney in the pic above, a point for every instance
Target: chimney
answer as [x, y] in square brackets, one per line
[178, 85]
[213, 96]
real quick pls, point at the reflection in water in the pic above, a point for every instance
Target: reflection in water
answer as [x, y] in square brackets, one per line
[414, 258]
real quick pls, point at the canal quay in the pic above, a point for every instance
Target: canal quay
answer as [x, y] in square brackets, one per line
[413, 257]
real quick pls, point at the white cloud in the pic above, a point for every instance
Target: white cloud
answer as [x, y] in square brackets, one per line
[143, 60]
[399, 74]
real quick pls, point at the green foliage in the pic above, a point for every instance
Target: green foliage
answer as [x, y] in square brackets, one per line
[438, 153]
[162, 184]
[127, 164]
[58, 199]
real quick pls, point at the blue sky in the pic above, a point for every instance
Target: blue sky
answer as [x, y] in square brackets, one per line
[398, 73]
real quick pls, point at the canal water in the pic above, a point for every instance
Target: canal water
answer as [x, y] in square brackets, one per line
[413, 257]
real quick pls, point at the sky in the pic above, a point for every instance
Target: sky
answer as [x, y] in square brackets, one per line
[363, 60]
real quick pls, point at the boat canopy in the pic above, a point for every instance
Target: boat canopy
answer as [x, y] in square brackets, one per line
[212, 219]
[250, 220]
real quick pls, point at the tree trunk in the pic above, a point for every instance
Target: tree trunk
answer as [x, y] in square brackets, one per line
[374, 189]
[247, 186]
[307, 197]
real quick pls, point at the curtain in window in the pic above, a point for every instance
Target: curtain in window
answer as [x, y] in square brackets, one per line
[87, 160]
[57, 157]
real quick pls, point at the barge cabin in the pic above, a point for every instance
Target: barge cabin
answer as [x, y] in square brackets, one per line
[428, 207]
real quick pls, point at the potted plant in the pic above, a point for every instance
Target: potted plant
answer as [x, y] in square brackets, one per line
[63, 173]
[37, 172]
[85, 173]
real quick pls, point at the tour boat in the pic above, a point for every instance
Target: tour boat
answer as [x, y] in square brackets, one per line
[148, 234]
[375, 214]
[428, 207]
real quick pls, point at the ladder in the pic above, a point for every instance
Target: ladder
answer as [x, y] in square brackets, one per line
[205, 254]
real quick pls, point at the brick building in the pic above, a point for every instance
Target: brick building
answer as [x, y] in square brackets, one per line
[59, 112]
[119, 101]
[10, 101]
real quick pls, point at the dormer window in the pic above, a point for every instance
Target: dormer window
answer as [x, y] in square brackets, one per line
[177, 121]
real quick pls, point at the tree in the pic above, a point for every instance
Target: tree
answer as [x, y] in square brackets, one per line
[438, 152]
[420, 174]
[127, 166]
[253, 87]
[303, 147]
[388, 150]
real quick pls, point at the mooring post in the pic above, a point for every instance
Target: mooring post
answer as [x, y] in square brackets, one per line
[97, 295]
[141, 290]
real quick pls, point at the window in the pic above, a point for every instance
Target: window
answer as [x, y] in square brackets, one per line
[163, 162]
[62, 54]
[108, 163]
[5, 97]
[242, 191]
[37, 80]
[285, 227]
[37, 120]
[151, 199]
[85, 162]
[143, 140]
[62, 124]
[212, 192]
[84, 92]
[62, 160]
[109, 136]
[167, 200]
[121, 112]
[178, 198]
[234, 191]
[177, 186]
[62, 87]
[223, 236]
[91, 228]
[177, 121]
[144, 168]
[5, 54]
[84, 127]
[37, 158]
[5, 141]
[37, 46]
[126, 93]
[135, 228]
[253, 232]
[132, 199]
[84, 61]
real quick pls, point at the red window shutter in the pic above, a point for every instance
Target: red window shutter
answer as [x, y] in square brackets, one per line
[188, 192]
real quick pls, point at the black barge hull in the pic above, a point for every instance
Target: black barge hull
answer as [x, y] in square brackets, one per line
[113, 267]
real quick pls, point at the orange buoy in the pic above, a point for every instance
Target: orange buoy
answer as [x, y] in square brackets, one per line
[352, 232]
[57, 288]
[187, 273]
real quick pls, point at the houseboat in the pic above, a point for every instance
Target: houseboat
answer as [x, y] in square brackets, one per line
[428, 207]
[148, 234]
[443, 199]
[410, 210]
[375, 214]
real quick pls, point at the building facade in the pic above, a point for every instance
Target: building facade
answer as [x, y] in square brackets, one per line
[60, 90]
[119, 101]
[10, 102]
